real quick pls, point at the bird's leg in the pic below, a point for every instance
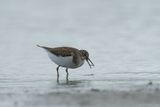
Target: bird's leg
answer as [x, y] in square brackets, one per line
[67, 75]
[58, 73]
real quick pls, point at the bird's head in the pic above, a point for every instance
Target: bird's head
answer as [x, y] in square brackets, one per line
[85, 55]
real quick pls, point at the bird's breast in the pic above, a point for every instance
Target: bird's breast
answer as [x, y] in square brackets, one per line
[65, 61]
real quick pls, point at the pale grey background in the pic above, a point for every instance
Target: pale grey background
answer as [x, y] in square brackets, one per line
[122, 37]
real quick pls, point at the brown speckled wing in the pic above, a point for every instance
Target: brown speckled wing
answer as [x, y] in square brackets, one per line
[62, 51]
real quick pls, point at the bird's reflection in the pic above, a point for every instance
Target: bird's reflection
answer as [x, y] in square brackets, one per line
[67, 79]
[68, 82]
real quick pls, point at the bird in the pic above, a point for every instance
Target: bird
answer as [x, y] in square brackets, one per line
[67, 57]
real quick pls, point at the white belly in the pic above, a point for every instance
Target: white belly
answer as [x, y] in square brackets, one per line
[64, 61]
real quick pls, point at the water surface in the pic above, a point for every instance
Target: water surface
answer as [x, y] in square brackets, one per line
[121, 36]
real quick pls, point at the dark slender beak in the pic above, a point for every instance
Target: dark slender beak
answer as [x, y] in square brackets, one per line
[90, 63]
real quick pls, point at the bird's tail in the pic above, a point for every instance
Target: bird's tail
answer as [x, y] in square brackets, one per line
[42, 47]
[39, 46]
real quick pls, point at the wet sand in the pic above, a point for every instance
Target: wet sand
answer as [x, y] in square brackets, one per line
[88, 98]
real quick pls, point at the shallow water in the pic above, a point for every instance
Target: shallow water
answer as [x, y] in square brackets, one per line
[121, 36]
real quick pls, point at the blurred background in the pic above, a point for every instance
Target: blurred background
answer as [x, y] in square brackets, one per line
[122, 37]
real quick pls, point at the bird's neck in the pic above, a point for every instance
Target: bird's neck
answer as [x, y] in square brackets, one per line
[77, 58]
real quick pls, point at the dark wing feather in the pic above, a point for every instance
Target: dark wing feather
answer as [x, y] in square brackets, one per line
[62, 51]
